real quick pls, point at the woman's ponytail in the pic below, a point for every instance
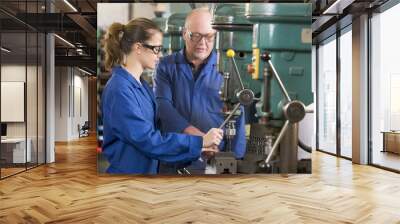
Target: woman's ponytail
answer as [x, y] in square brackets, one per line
[119, 39]
[112, 45]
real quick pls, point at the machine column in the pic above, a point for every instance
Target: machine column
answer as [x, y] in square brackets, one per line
[288, 149]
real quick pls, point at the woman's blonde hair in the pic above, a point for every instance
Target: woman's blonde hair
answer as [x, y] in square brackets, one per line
[119, 39]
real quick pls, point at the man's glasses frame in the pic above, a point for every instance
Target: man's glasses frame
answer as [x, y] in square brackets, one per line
[197, 37]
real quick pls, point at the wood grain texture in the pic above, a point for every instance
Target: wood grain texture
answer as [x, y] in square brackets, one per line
[70, 191]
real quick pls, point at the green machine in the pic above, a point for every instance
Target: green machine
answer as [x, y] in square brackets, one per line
[282, 31]
[162, 24]
[278, 80]
[282, 60]
[175, 25]
[235, 32]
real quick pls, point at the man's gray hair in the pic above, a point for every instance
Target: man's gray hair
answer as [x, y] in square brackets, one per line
[194, 11]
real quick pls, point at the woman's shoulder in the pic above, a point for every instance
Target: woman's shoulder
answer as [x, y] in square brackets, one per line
[117, 83]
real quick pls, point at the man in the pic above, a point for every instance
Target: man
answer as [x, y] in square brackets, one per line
[187, 86]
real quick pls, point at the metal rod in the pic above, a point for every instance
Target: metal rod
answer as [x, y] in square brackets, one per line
[267, 91]
[278, 140]
[279, 81]
[186, 171]
[225, 91]
[183, 171]
[237, 73]
[230, 115]
[310, 111]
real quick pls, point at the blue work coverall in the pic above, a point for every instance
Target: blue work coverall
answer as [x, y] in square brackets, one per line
[132, 143]
[184, 100]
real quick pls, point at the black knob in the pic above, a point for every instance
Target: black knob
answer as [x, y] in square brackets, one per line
[265, 56]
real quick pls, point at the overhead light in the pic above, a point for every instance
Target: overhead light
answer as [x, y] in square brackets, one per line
[70, 5]
[5, 50]
[328, 10]
[337, 7]
[64, 40]
[84, 71]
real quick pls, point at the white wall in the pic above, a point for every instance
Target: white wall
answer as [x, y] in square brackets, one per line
[79, 117]
[70, 84]
[108, 13]
[145, 10]
[62, 82]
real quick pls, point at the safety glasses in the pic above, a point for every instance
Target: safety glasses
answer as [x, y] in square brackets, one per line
[196, 37]
[155, 49]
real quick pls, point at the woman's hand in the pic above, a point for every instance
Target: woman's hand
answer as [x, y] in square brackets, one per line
[208, 153]
[213, 137]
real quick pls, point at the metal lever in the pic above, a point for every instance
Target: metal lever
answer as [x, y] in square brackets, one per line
[183, 171]
[279, 81]
[237, 72]
[267, 58]
[276, 143]
[231, 54]
[230, 115]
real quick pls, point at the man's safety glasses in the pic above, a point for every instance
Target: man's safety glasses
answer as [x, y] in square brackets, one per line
[196, 37]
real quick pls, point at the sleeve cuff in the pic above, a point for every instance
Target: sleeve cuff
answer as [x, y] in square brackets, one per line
[195, 146]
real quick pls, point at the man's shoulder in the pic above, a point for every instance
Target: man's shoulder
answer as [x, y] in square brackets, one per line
[169, 59]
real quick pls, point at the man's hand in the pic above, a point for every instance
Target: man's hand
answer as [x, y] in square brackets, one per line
[192, 130]
[213, 137]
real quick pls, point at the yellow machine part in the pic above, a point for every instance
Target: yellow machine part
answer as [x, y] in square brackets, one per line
[256, 63]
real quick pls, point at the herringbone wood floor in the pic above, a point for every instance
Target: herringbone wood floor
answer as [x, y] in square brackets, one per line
[70, 191]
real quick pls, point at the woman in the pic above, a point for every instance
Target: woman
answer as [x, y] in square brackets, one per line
[132, 143]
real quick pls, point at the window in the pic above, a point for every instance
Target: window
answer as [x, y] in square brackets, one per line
[327, 96]
[346, 93]
[385, 89]
[22, 77]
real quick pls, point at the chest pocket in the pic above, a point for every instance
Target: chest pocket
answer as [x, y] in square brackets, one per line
[213, 100]
[211, 87]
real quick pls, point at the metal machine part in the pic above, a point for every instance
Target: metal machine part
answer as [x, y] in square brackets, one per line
[280, 82]
[281, 32]
[223, 163]
[281, 60]
[243, 96]
[294, 111]
[258, 146]
[226, 160]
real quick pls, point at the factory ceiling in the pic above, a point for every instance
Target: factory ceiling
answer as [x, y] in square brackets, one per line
[75, 23]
